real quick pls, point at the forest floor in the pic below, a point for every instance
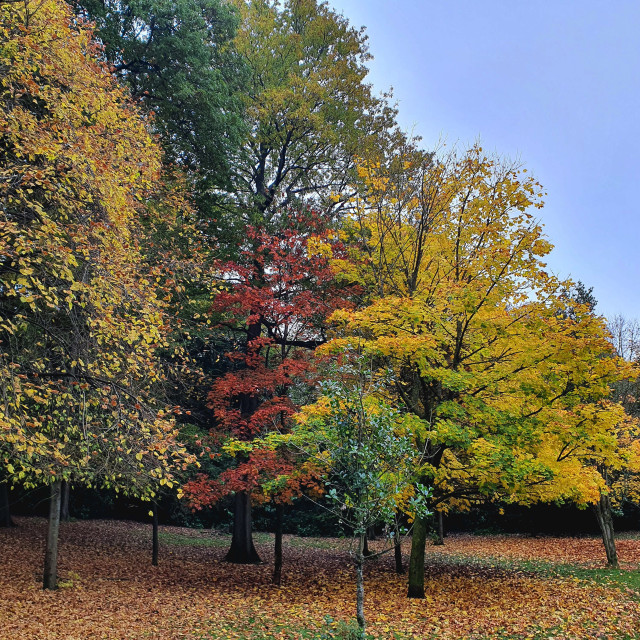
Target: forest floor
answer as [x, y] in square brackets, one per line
[488, 587]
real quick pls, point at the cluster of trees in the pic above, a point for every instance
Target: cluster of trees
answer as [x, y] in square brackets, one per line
[210, 225]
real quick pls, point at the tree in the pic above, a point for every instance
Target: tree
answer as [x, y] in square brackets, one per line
[178, 62]
[370, 462]
[275, 299]
[80, 319]
[509, 389]
[309, 110]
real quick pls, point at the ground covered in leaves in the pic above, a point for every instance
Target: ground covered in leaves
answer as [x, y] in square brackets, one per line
[477, 587]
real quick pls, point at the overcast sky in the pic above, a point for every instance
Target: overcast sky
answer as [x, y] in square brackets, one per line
[554, 83]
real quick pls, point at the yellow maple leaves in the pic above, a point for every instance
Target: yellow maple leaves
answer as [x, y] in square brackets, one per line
[509, 373]
[81, 323]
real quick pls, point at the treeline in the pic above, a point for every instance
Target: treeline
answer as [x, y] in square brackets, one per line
[225, 270]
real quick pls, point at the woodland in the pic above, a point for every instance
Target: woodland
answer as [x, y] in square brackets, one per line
[233, 292]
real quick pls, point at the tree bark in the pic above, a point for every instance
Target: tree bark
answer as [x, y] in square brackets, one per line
[416, 560]
[5, 510]
[50, 579]
[440, 533]
[365, 549]
[242, 550]
[605, 520]
[397, 554]
[360, 583]
[64, 507]
[277, 564]
[154, 544]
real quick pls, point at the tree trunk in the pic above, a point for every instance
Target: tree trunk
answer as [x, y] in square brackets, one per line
[242, 550]
[277, 564]
[154, 550]
[440, 533]
[360, 583]
[5, 511]
[50, 580]
[605, 520]
[397, 554]
[64, 507]
[365, 549]
[416, 561]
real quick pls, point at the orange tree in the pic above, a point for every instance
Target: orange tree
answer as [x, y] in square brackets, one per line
[510, 389]
[80, 315]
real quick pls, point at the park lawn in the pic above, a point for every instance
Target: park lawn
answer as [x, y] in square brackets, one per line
[507, 587]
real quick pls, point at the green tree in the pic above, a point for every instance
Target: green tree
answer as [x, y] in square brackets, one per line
[309, 109]
[177, 59]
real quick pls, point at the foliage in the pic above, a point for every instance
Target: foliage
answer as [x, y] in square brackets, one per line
[309, 110]
[366, 449]
[177, 60]
[273, 304]
[510, 389]
[81, 316]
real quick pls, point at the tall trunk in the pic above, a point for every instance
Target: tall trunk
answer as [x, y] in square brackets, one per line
[360, 583]
[277, 548]
[416, 560]
[397, 555]
[64, 507]
[605, 520]
[5, 511]
[50, 580]
[154, 544]
[440, 532]
[242, 550]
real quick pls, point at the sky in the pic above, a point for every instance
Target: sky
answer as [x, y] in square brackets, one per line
[554, 84]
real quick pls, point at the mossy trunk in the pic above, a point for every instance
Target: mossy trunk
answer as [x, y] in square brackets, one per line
[242, 550]
[50, 578]
[416, 560]
[397, 556]
[605, 520]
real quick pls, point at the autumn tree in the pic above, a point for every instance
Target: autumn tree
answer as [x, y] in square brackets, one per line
[80, 315]
[368, 461]
[309, 109]
[275, 299]
[511, 392]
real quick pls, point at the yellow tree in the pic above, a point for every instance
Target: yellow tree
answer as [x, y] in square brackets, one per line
[510, 389]
[80, 315]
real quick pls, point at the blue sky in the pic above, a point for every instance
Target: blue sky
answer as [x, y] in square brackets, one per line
[553, 83]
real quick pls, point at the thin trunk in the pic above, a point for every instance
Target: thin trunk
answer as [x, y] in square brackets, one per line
[416, 561]
[605, 520]
[397, 554]
[360, 584]
[440, 532]
[50, 580]
[365, 550]
[5, 510]
[242, 550]
[64, 507]
[154, 550]
[277, 564]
